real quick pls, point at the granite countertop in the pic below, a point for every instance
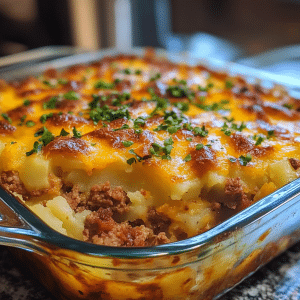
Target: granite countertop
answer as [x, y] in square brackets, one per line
[278, 280]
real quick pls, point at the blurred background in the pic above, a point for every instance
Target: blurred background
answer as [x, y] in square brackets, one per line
[230, 30]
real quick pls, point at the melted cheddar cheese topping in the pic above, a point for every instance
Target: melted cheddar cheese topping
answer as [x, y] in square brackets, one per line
[195, 145]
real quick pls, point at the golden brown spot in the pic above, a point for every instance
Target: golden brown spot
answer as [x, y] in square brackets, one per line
[67, 120]
[67, 145]
[6, 128]
[18, 112]
[203, 160]
[243, 144]
[115, 138]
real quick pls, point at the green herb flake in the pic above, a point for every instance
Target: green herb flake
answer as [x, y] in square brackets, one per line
[288, 106]
[183, 106]
[63, 132]
[36, 148]
[71, 95]
[259, 140]
[199, 146]
[6, 117]
[270, 134]
[125, 126]
[76, 133]
[188, 158]
[51, 104]
[13, 142]
[62, 81]
[189, 139]
[131, 160]
[45, 117]
[138, 72]
[155, 77]
[46, 137]
[30, 123]
[103, 85]
[232, 159]
[200, 131]
[93, 144]
[228, 84]
[26, 102]
[244, 160]
[127, 143]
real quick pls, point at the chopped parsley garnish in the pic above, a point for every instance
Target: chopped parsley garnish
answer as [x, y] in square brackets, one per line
[188, 157]
[238, 128]
[288, 106]
[207, 88]
[180, 91]
[125, 126]
[259, 139]
[107, 114]
[270, 134]
[139, 122]
[189, 139]
[6, 117]
[51, 104]
[172, 122]
[200, 131]
[127, 143]
[214, 106]
[126, 71]
[138, 158]
[71, 95]
[46, 137]
[160, 151]
[232, 159]
[120, 98]
[244, 160]
[199, 146]
[138, 72]
[50, 84]
[22, 120]
[155, 77]
[93, 144]
[183, 106]
[103, 85]
[64, 132]
[76, 133]
[62, 81]
[225, 129]
[45, 117]
[30, 123]
[26, 102]
[228, 84]
[13, 142]
[36, 148]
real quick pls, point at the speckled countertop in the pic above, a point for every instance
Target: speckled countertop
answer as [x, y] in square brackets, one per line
[279, 280]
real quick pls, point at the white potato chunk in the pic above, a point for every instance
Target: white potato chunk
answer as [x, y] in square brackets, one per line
[73, 224]
[34, 173]
[48, 217]
[281, 172]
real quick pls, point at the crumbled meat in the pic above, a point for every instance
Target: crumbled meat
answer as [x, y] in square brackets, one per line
[101, 229]
[103, 196]
[295, 163]
[159, 222]
[100, 196]
[235, 195]
[72, 195]
[11, 182]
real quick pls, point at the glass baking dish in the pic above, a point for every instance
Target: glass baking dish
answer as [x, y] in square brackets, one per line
[201, 267]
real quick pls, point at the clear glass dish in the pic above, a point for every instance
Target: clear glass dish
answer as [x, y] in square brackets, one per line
[201, 267]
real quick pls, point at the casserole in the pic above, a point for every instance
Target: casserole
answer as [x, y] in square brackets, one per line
[219, 257]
